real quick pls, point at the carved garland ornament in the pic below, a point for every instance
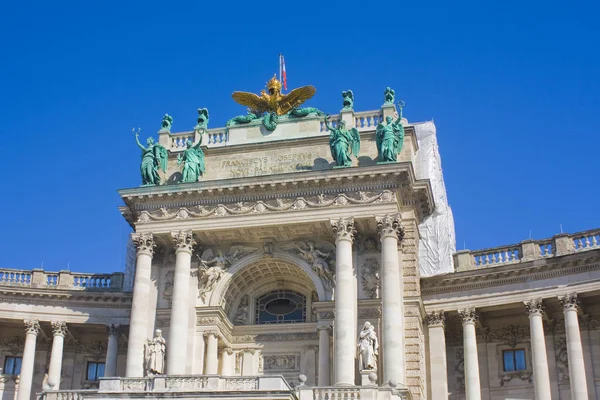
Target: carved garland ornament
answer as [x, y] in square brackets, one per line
[260, 207]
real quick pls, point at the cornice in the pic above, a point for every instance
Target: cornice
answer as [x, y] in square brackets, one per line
[511, 274]
[396, 177]
[20, 295]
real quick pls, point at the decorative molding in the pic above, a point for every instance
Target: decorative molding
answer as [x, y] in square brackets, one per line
[343, 229]
[144, 243]
[374, 312]
[389, 226]
[459, 368]
[370, 277]
[14, 344]
[32, 326]
[510, 334]
[524, 376]
[262, 207]
[275, 337]
[435, 319]
[281, 362]
[326, 315]
[562, 359]
[168, 286]
[113, 330]
[59, 328]
[184, 241]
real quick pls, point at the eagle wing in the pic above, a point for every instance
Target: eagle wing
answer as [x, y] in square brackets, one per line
[256, 103]
[296, 97]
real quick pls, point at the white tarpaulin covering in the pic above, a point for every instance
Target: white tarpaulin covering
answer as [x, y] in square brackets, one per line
[438, 241]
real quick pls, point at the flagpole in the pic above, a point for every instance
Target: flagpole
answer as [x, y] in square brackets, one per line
[280, 66]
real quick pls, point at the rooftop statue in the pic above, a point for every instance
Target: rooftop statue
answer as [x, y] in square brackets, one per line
[193, 162]
[348, 101]
[300, 112]
[343, 142]
[202, 119]
[389, 96]
[167, 122]
[274, 101]
[153, 157]
[390, 137]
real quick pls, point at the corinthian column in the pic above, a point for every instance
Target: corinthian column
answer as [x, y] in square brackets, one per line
[437, 355]
[32, 328]
[59, 330]
[472, 384]
[392, 337]
[324, 375]
[574, 350]
[541, 374]
[344, 349]
[177, 354]
[139, 305]
[112, 348]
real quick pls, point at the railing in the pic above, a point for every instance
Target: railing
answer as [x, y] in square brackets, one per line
[217, 136]
[65, 394]
[367, 120]
[178, 140]
[336, 393]
[65, 280]
[15, 277]
[333, 120]
[528, 250]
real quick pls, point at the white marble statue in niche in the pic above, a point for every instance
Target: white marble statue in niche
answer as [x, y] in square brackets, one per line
[155, 354]
[241, 315]
[368, 347]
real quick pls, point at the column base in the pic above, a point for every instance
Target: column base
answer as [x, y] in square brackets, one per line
[368, 377]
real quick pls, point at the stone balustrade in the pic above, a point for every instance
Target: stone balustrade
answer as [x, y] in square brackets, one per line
[527, 250]
[200, 385]
[64, 280]
[353, 393]
[367, 120]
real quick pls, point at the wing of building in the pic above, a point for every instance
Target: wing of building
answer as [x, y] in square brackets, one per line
[305, 258]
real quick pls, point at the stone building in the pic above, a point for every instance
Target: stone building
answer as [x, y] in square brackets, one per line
[262, 274]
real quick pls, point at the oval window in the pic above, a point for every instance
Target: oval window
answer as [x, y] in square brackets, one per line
[280, 306]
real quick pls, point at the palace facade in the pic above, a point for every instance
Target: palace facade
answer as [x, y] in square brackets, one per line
[262, 275]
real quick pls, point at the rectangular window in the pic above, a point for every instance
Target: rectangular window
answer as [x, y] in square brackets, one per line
[12, 365]
[95, 370]
[514, 360]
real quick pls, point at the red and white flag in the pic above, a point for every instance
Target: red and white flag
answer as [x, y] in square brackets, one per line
[282, 74]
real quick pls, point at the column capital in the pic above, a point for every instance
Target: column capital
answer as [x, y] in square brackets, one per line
[184, 241]
[570, 301]
[32, 326]
[59, 328]
[435, 319]
[144, 243]
[468, 315]
[113, 330]
[343, 229]
[324, 328]
[389, 226]
[534, 307]
[228, 350]
[207, 333]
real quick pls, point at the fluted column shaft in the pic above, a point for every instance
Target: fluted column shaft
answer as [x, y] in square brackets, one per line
[324, 351]
[541, 374]
[212, 354]
[437, 355]
[178, 330]
[112, 351]
[391, 299]
[32, 328]
[471, 362]
[577, 377]
[344, 328]
[139, 305]
[59, 330]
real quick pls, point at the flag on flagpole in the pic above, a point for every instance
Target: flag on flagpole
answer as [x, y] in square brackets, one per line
[282, 74]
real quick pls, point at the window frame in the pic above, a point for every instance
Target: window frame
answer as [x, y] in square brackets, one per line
[87, 370]
[12, 373]
[514, 360]
[257, 306]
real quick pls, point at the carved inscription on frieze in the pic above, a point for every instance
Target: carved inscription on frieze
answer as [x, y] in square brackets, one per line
[269, 164]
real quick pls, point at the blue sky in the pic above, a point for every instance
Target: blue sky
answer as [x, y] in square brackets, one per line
[513, 87]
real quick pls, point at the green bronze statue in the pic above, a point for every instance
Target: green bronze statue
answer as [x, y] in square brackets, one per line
[300, 112]
[389, 96]
[202, 119]
[389, 138]
[342, 143]
[243, 119]
[154, 157]
[193, 162]
[348, 100]
[270, 120]
[167, 122]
